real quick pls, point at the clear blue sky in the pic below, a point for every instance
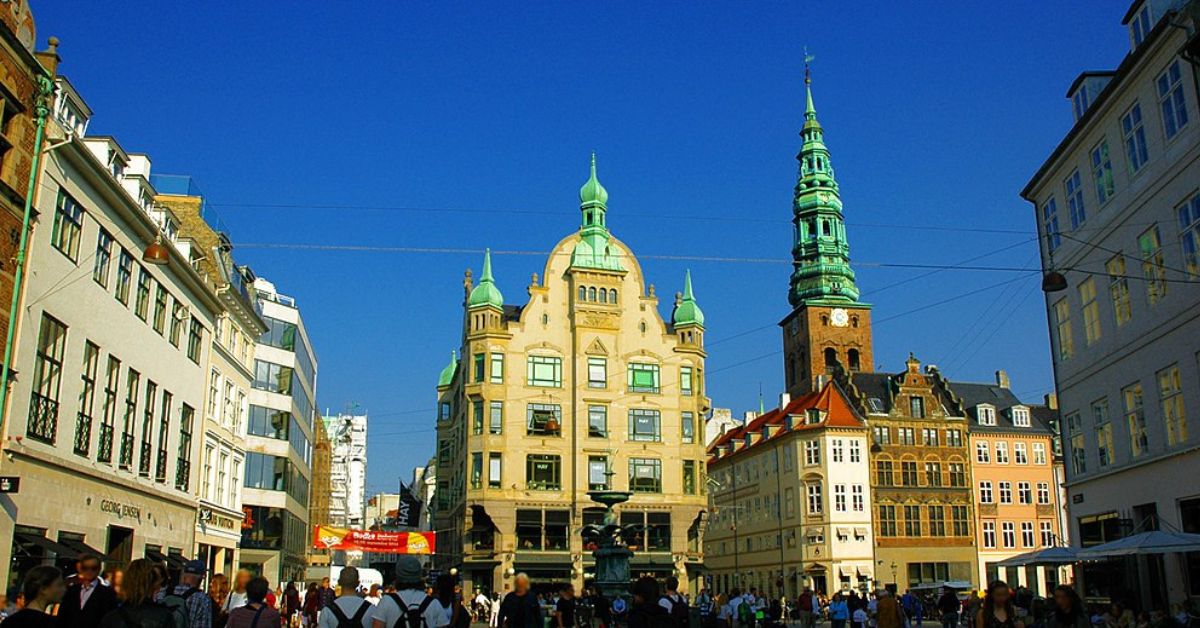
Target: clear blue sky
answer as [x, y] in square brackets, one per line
[936, 113]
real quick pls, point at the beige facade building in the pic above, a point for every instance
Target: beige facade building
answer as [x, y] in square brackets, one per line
[584, 386]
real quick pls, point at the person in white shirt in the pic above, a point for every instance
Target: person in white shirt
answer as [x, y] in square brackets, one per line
[373, 595]
[410, 584]
[348, 605]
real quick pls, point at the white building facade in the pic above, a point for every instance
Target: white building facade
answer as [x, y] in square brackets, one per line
[347, 469]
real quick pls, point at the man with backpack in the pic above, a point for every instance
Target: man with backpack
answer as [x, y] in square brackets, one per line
[191, 606]
[676, 604]
[348, 610]
[409, 606]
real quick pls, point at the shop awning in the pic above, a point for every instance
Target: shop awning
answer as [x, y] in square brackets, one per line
[36, 540]
[860, 532]
[158, 557]
[176, 561]
[866, 571]
[80, 547]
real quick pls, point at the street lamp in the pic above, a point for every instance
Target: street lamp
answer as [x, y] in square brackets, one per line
[156, 252]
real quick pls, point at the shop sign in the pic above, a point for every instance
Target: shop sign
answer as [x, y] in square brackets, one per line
[121, 511]
[209, 518]
[10, 484]
[331, 538]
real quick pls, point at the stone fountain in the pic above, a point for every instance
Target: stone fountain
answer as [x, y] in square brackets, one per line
[612, 555]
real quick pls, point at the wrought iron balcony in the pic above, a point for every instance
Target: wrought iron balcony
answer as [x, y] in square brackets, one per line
[104, 449]
[83, 434]
[183, 471]
[144, 459]
[126, 461]
[160, 467]
[43, 419]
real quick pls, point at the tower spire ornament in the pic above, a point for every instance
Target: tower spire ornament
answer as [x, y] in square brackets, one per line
[593, 249]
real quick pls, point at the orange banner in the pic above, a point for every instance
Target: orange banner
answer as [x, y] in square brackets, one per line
[329, 537]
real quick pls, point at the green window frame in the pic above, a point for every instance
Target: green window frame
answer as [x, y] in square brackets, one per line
[645, 475]
[597, 373]
[689, 477]
[496, 417]
[497, 371]
[643, 377]
[545, 371]
[141, 307]
[688, 427]
[597, 421]
[477, 416]
[645, 425]
[102, 265]
[685, 380]
[476, 469]
[543, 472]
[598, 473]
[124, 277]
[478, 361]
[160, 310]
[68, 226]
[539, 416]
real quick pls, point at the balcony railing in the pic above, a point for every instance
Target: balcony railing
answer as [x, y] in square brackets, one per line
[183, 471]
[104, 449]
[144, 459]
[126, 461]
[43, 419]
[83, 434]
[160, 467]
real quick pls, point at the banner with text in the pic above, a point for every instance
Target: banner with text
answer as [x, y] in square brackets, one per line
[331, 538]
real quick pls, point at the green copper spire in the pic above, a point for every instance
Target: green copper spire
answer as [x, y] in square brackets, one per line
[447, 376]
[593, 250]
[820, 253]
[486, 293]
[687, 312]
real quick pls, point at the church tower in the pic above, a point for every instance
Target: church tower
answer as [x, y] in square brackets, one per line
[828, 325]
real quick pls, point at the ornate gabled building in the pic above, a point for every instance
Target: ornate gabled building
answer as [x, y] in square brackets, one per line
[921, 483]
[584, 386]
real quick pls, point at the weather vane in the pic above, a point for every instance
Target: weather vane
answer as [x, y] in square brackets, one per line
[807, 60]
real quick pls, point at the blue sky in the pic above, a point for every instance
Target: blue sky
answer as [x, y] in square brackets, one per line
[468, 125]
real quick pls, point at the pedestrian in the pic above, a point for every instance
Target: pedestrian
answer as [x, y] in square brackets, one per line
[144, 580]
[449, 597]
[705, 604]
[888, 613]
[998, 610]
[312, 606]
[674, 603]
[88, 600]
[255, 613]
[327, 594]
[839, 611]
[186, 598]
[520, 609]
[373, 595]
[291, 602]
[43, 587]
[646, 611]
[859, 617]
[805, 606]
[601, 608]
[948, 606]
[494, 611]
[410, 601]
[237, 596]
[564, 608]
[348, 610]
[218, 590]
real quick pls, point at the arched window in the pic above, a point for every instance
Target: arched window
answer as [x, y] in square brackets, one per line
[854, 321]
[825, 227]
[824, 321]
[582, 293]
[604, 295]
[612, 296]
[852, 358]
[642, 327]
[830, 359]
[545, 319]
[591, 294]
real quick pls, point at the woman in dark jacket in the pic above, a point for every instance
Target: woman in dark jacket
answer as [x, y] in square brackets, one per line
[646, 612]
[1068, 610]
[138, 609]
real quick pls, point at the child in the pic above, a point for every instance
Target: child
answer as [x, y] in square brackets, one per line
[859, 618]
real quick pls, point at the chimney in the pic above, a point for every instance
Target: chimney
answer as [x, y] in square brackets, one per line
[49, 57]
[1051, 400]
[1002, 379]
[784, 399]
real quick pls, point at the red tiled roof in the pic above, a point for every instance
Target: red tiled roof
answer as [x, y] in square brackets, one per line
[830, 399]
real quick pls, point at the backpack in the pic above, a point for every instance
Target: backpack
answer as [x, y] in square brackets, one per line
[348, 622]
[411, 617]
[745, 613]
[178, 604]
[678, 610]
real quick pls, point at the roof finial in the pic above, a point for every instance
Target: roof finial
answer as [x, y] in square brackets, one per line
[761, 407]
[808, 59]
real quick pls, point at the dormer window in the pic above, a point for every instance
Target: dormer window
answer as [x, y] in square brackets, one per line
[1079, 102]
[986, 414]
[1020, 416]
[812, 416]
[1140, 25]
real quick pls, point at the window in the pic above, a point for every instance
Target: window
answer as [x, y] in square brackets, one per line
[1047, 530]
[183, 460]
[912, 521]
[87, 398]
[839, 498]
[989, 534]
[1039, 453]
[644, 425]
[597, 373]
[178, 316]
[496, 417]
[476, 469]
[857, 497]
[269, 422]
[1079, 102]
[1024, 493]
[958, 474]
[1027, 534]
[1006, 492]
[982, 453]
[1050, 225]
[812, 452]
[544, 371]
[881, 435]
[1170, 395]
[543, 419]
[816, 504]
[144, 460]
[645, 475]
[543, 472]
[141, 306]
[272, 377]
[68, 224]
[958, 516]
[916, 407]
[985, 492]
[1102, 172]
[987, 415]
[908, 472]
[1019, 453]
[124, 276]
[1078, 455]
[1075, 207]
[1189, 234]
[937, 520]
[929, 437]
[689, 477]
[688, 427]
[1153, 265]
[883, 473]
[598, 473]
[497, 371]
[47, 380]
[1171, 100]
[1009, 534]
[477, 416]
[1118, 289]
[933, 473]
[1140, 25]
[1135, 420]
[887, 521]
[102, 265]
[1062, 317]
[906, 435]
[855, 451]
[1091, 311]
[1135, 138]
[643, 377]
[838, 449]
[195, 336]
[598, 421]
[1043, 493]
[160, 310]
[479, 364]
[495, 465]
[954, 438]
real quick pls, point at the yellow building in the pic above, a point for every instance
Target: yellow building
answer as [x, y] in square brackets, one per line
[585, 386]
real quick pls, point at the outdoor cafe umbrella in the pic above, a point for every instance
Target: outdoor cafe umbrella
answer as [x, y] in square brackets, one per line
[1044, 556]
[1151, 542]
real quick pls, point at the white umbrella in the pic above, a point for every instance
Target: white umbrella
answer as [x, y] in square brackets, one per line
[1044, 556]
[1152, 542]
